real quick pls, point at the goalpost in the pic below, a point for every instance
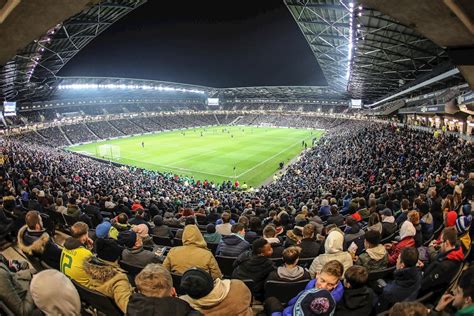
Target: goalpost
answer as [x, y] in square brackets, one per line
[107, 151]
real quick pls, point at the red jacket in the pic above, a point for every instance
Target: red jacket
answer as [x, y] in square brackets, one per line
[397, 248]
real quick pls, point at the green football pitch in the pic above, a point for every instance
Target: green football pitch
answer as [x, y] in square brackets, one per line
[255, 152]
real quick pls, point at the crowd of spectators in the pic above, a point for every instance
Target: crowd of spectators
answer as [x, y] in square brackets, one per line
[366, 198]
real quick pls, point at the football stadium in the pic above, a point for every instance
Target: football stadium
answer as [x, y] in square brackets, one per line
[271, 157]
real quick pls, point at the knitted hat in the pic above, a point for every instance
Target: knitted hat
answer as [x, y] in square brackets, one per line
[108, 249]
[44, 291]
[102, 230]
[127, 238]
[466, 209]
[141, 230]
[463, 224]
[386, 212]
[196, 283]
[314, 302]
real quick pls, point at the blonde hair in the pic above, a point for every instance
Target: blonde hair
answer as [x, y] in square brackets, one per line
[154, 281]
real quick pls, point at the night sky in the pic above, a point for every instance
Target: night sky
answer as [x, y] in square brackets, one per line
[208, 42]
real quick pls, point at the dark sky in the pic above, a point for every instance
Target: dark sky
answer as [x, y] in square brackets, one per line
[208, 42]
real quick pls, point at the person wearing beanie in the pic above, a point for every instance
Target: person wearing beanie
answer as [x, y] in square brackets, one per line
[193, 253]
[134, 254]
[450, 218]
[407, 233]
[375, 256]
[215, 297]
[108, 250]
[463, 226]
[102, 230]
[156, 295]
[44, 291]
[439, 273]
[108, 280]
[160, 229]
[142, 231]
[211, 236]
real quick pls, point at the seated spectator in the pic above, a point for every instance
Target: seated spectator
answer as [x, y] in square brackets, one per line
[76, 250]
[333, 247]
[407, 232]
[108, 250]
[255, 230]
[188, 220]
[134, 254]
[375, 256]
[142, 231]
[44, 291]
[441, 271]
[234, 244]
[139, 218]
[358, 298]
[225, 227]
[119, 224]
[160, 229]
[463, 226]
[93, 211]
[426, 221]
[269, 234]
[462, 298]
[388, 223]
[136, 205]
[409, 309]
[33, 240]
[325, 209]
[352, 232]
[290, 271]
[14, 290]
[72, 208]
[193, 253]
[215, 297]
[375, 223]
[335, 218]
[404, 208]
[108, 280]
[122, 206]
[156, 295]
[328, 280]
[309, 245]
[406, 281]
[414, 218]
[255, 265]
[362, 208]
[450, 218]
[293, 237]
[60, 208]
[211, 236]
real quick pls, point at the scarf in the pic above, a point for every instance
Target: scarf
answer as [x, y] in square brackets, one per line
[218, 294]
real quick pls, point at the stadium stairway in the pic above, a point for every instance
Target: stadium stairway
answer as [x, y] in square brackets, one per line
[91, 131]
[64, 134]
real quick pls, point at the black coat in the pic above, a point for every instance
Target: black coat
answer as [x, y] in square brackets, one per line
[256, 268]
[232, 246]
[310, 248]
[162, 306]
[337, 220]
[405, 286]
[356, 302]
[388, 229]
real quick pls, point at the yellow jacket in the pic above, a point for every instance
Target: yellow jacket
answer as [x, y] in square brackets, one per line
[72, 259]
[193, 253]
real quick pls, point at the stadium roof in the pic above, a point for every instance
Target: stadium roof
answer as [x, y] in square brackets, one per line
[31, 73]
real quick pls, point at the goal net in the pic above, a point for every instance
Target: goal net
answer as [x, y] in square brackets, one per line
[108, 152]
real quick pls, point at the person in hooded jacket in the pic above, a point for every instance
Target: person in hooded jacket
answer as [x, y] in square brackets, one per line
[407, 232]
[333, 247]
[193, 253]
[441, 271]
[215, 297]
[255, 265]
[234, 244]
[375, 256]
[290, 271]
[358, 298]
[156, 295]
[406, 281]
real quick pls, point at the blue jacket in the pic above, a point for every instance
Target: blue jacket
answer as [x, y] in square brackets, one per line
[232, 246]
[337, 294]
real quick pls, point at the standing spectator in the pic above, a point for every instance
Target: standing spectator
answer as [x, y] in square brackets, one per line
[234, 244]
[406, 281]
[193, 253]
[215, 297]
